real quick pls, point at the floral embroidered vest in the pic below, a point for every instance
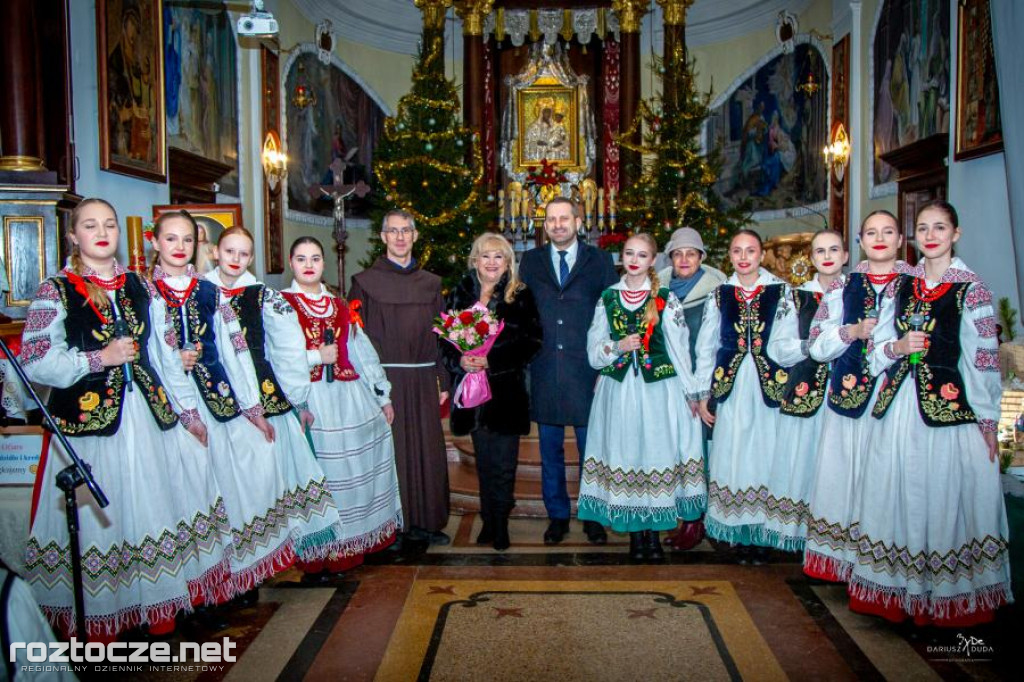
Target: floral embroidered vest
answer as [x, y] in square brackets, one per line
[941, 395]
[209, 374]
[248, 305]
[655, 363]
[746, 328]
[852, 383]
[92, 406]
[808, 379]
[313, 328]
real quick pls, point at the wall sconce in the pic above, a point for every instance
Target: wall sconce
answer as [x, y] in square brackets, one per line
[275, 163]
[837, 153]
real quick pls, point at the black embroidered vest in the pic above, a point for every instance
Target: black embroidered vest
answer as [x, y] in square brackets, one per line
[852, 384]
[655, 364]
[746, 328]
[941, 394]
[92, 406]
[209, 375]
[248, 305]
[808, 379]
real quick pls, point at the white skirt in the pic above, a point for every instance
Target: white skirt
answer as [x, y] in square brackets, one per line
[316, 528]
[739, 462]
[353, 444]
[161, 541]
[789, 483]
[644, 465]
[931, 528]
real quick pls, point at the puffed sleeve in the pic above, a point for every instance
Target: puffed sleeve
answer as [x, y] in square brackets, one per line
[708, 341]
[785, 346]
[367, 363]
[601, 350]
[234, 356]
[882, 356]
[677, 339]
[163, 350]
[45, 353]
[979, 358]
[829, 338]
[286, 348]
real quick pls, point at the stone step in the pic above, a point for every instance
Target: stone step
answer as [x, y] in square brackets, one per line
[465, 492]
[529, 468]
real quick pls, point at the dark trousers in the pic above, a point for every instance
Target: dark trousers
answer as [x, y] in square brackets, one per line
[497, 456]
[552, 459]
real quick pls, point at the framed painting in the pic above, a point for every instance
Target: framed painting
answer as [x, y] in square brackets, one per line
[212, 220]
[979, 128]
[133, 134]
[548, 127]
[201, 62]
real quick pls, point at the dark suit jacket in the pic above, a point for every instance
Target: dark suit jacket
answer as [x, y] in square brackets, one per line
[561, 378]
[508, 410]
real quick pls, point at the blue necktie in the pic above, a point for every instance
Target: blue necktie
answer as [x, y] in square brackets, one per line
[563, 268]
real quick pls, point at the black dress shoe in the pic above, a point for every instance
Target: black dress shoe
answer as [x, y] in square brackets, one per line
[210, 618]
[438, 537]
[556, 532]
[636, 546]
[652, 543]
[321, 578]
[595, 533]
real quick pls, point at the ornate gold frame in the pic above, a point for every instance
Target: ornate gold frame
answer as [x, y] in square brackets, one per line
[568, 98]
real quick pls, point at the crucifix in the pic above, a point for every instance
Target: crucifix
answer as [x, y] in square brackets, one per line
[338, 192]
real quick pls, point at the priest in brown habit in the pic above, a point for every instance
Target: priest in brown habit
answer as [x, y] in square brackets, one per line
[399, 304]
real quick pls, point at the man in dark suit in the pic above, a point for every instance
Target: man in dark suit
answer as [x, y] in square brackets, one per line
[567, 278]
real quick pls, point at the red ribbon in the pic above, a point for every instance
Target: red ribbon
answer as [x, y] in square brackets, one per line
[353, 312]
[79, 283]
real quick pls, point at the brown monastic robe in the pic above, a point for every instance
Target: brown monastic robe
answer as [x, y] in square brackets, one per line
[398, 308]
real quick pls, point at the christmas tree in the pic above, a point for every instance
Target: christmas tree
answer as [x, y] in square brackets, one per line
[674, 182]
[420, 166]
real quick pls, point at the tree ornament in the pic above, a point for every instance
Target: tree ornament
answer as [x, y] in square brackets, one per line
[458, 142]
[431, 122]
[469, 220]
[428, 147]
[425, 184]
[400, 126]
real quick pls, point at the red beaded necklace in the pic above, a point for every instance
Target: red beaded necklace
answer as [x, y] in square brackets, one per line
[317, 308]
[926, 295]
[633, 297]
[112, 284]
[176, 297]
[743, 296]
[881, 279]
[231, 293]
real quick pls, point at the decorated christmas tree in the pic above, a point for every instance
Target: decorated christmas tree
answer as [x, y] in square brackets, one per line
[674, 182]
[421, 167]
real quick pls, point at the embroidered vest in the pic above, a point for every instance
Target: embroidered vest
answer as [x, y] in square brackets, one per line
[209, 374]
[248, 305]
[92, 406]
[746, 329]
[808, 379]
[941, 394]
[852, 384]
[655, 364]
[313, 328]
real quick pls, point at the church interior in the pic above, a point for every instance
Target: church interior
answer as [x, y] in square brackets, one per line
[313, 118]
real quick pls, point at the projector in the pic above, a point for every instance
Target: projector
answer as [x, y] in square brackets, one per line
[257, 24]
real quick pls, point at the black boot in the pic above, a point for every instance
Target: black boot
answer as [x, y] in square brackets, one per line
[653, 546]
[501, 539]
[636, 546]
[486, 535]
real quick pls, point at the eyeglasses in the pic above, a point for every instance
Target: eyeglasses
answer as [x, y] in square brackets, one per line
[399, 231]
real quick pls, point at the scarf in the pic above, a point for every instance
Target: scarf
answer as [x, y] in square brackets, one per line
[682, 287]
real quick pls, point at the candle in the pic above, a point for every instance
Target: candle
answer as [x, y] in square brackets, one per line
[136, 244]
[501, 210]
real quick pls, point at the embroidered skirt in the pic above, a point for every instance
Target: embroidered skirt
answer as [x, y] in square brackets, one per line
[789, 481]
[644, 464]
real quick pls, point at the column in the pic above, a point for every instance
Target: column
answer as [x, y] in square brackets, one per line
[21, 130]
[674, 27]
[630, 13]
[472, 13]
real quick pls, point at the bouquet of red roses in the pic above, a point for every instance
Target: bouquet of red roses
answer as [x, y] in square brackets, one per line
[473, 331]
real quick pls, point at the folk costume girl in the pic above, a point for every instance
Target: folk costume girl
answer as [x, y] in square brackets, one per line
[274, 339]
[932, 530]
[644, 465]
[801, 415]
[159, 547]
[841, 336]
[497, 425]
[350, 398]
[240, 438]
[739, 370]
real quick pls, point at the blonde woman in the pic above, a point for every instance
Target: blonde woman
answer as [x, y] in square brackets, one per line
[496, 425]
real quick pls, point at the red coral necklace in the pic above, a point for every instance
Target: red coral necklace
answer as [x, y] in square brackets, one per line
[633, 297]
[176, 297]
[742, 295]
[881, 279]
[926, 295]
[319, 308]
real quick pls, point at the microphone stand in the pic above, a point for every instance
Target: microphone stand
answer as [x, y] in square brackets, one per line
[68, 480]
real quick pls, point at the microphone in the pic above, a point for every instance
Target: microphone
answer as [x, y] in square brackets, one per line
[631, 329]
[121, 332]
[329, 339]
[188, 345]
[916, 321]
[871, 315]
